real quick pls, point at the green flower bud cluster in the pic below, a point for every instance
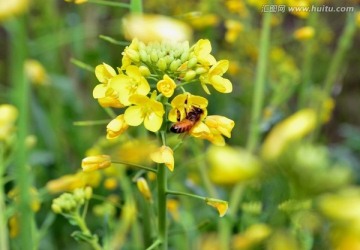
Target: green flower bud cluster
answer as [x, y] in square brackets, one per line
[69, 203]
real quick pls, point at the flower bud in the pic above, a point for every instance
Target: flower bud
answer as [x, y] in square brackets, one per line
[174, 65]
[56, 208]
[93, 163]
[88, 193]
[153, 56]
[133, 55]
[220, 205]
[144, 71]
[161, 64]
[144, 188]
[189, 75]
[144, 56]
[192, 62]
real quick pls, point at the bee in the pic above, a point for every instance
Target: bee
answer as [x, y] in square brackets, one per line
[191, 118]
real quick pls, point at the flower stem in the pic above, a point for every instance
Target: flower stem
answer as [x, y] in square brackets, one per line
[135, 165]
[110, 3]
[136, 6]
[3, 220]
[258, 95]
[186, 194]
[20, 94]
[162, 186]
[85, 230]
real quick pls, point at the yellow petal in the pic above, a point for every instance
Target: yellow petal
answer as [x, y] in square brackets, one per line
[221, 206]
[99, 91]
[221, 84]
[153, 122]
[164, 155]
[104, 72]
[134, 115]
[219, 68]
[116, 127]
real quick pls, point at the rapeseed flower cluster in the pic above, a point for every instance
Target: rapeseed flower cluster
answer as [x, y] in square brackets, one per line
[153, 73]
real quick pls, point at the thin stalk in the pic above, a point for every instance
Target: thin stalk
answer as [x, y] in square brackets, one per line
[135, 165]
[186, 194]
[259, 95]
[20, 94]
[162, 216]
[307, 63]
[153, 245]
[90, 123]
[85, 230]
[113, 41]
[344, 45]
[110, 3]
[4, 244]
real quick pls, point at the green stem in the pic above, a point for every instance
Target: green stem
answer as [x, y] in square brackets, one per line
[110, 3]
[135, 165]
[153, 245]
[307, 63]
[82, 65]
[162, 216]
[4, 244]
[85, 230]
[90, 123]
[344, 45]
[258, 95]
[113, 41]
[20, 94]
[186, 194]
[136, 6]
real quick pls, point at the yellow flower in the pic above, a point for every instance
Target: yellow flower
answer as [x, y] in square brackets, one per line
[96, 162]
[214, 77]
[164, 155]
[8, 116]
[298, 5]
[202, 51]
[116, 127]
[172, 206]
[12, 8]
[104, 73]
[126, 60]
[166, 86]
[36, 72]
[220, 205]
[358, 18]
[183, 103]
[130, 84]
[291, 129]
[150, 28]
[34, 195]
[304, 33]
[106, 96]
[145, 110]
[144, 189]
[213, 129]
[240, 165]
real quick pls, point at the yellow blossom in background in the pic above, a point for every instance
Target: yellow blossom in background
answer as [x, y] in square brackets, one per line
[12, 8]
[236, 6]
[116, 127]
[300, 4]
[233, 29]
[92, 163]
[34, 195]
[135, 151]
[71, 182]
[220, 205]
[145, 110]
[164, 155]
[229, 166]
[110, 183]
[8, 116]
[304, 33]
[200, 21]
[144, 189]
[36, 72]
[149, 28]
[214, 77]
[291, 129]
[358, 18]
[130, 84]
[14, 226]
[172, 206]
[166, 86]
[76, 1]
[183, 103]
[253, 235]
